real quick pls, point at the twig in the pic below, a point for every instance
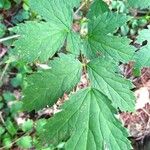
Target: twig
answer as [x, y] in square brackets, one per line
[15, 141]
[84, 61]
[76, 12]
[1, 118]
[9, 38]
[3, 52]
[4, 71]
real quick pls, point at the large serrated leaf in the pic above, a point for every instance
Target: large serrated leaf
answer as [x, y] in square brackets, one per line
[103, 77]
[100, 42]
[106, 23]
[38, 40]
[87, 119]
[57, 11]
[113, 47]
[42, 40]
[46, 87]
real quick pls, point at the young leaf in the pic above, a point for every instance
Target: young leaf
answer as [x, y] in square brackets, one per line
[97, 8]
[139, 3]
[46, 87]
[87, 119]
[98, 42]
[103, 77]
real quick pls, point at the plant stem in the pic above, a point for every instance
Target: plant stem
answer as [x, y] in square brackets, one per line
[82, 5]
[4, 71]
[9, 38]
[1, 118]
[84, 61]
[15, 141]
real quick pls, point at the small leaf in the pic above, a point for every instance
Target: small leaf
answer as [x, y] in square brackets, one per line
[25, 142]
[7, 142]
[39, 125]
[11, 128]
[27, 125]
[144, 35]
[142, 56]
[17, 81]
[2, 130]
[97, 8]
[8, 96]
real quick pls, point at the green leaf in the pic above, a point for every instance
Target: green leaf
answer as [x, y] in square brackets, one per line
[45, 87]
[1, 105]
[73, 43]
[97, 8]
[11, 128]
[106, 23]
[42, 40]
[98, 42]
[2, 130]
[7, 142]
[142, 56]
[103, 77]
[55, 11]
[39, 125]
[87, 122]
[5, 4]
[139, 3]
[38, 40]
[17, 81]
[2, 30]
[25, 142]
[8, 96]
[73, 3]
[27, 125]
[144, 35]
[16, 107]
[110, 46]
